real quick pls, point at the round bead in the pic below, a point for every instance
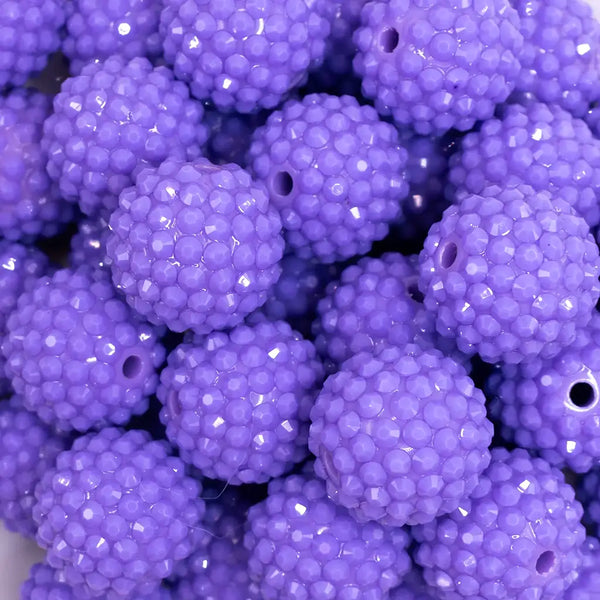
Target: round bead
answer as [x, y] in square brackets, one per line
[587, 585]
[76, 355]
[510, 273]
[236, 405]
[195, 246]
[334, 171]
[110, 122]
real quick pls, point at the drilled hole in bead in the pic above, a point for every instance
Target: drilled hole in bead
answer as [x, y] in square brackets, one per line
[389, 39]
[173, 404]
[582, 394]
[283, 184]
[132, 366]
[545, 562]
[448, 255]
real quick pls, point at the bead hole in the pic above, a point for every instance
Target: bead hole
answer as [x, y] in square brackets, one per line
[173, 404]
[582, 394]
[448, 255]
[132, 366]
[283, 184]
[389, 39]
[545, 562]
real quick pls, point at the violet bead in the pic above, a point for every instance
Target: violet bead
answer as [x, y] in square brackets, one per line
[30, 33]
[30, 204]
[560, 59]
[334, 171]
[518, 536]
[110, 122]
[97, 29]
[413, 587]
[552, 406]
[536, 144]
[510, 273]
[236, 405]
[587, 586]
[195, 246]
[88, 245]
[76, 355]
[401, 435]
[116, 514]
[242, 55]
[304, 546]
[28, 449]
[438, 65]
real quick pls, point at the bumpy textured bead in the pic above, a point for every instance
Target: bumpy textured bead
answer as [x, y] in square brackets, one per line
[304, 546]
[20, 267]
[587, 586]
[30, 204]
[76, 354]
[438, 65]
[540, 145]
[413, 588]
[561, 54]
[45, 583]
[97, 29]
[30, 33]
[195, 246]
[111, 121]
[88, 245]
[518, 536]
[237, 405]
[116, 513]
[401, 435]
[218, 570]
[510, 273]
[28, 449]
[552, 406]
[334, 171]
[243, 55]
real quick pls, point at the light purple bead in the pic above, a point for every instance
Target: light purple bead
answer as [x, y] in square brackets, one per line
[76, 355]
[304, 546]
[510, 274]
[28, 449]
[587, 586]
[116, 514]
[334, 171]
[540, 145]
[30, 203]
[237, 405]
[88, 245]
[242, 55]
[552, 406]
[195, 246]
[438, 65]
[110, 122]
[561, 54]
[518, 536]
[400, 436]
[97, 29]
[30, 33]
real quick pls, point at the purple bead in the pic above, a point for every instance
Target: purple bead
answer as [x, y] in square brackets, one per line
[30, 204]
[27, 450]
[536, 144]
[587, 586]
[77, 356]
[413, 587]
[97, 29]
[30, 33]
[400, 436]
[218, 570]
[561, 55]
[116, 514]
[20, 267]
[242, 55]
[113, 120]
[334, 171]
[552, 406]
[194, 245]
[510, 274]
[236, 405]
[438, 65]
[88, 245]
[517, 537]
[302, 546]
